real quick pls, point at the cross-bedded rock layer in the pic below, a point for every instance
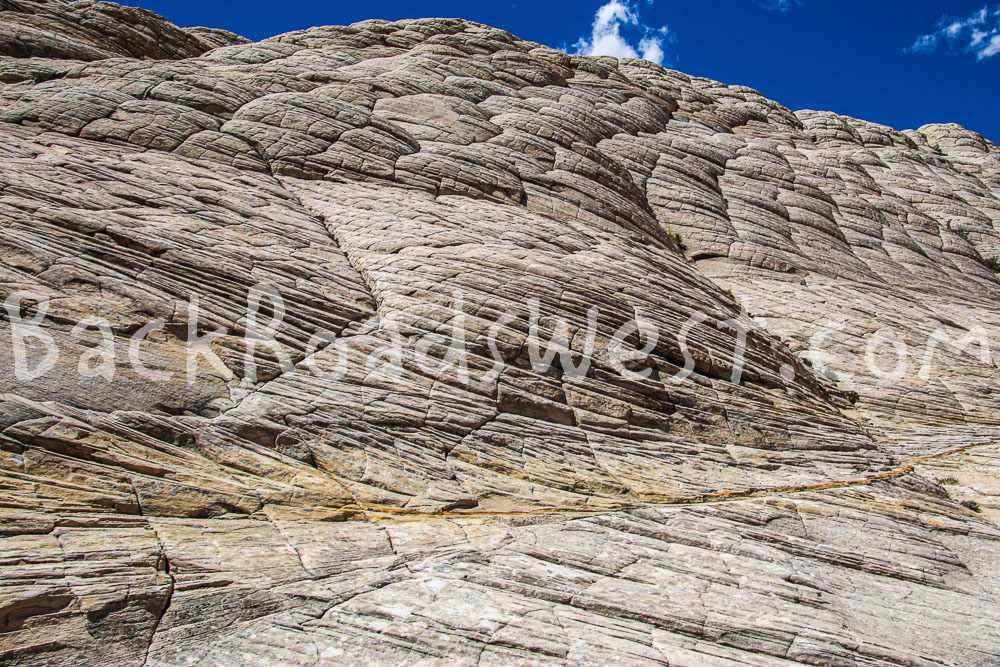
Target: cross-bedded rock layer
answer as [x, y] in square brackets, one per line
[396, 184]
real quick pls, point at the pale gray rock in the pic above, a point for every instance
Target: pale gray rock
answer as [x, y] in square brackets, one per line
[396, 183]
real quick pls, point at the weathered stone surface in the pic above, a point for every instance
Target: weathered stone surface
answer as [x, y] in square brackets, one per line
[89, 30]
[347, 495]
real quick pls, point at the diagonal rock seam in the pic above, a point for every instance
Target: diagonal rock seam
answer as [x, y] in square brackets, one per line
[721, 495]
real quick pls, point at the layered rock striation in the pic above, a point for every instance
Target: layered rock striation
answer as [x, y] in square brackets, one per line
[293, 410]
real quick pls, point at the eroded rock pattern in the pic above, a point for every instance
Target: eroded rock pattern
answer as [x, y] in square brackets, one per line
[357, 495]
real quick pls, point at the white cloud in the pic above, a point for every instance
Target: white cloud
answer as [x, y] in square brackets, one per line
[606, 38]
[991, 49]
[652, 49]
[978, 34]
[780, 5]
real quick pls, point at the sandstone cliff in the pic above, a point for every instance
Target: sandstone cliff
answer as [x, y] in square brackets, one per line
[352, 494]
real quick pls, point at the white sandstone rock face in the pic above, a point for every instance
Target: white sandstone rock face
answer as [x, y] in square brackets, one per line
[260, 442]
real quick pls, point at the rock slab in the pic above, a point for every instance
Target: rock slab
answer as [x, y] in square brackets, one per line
[349, 493]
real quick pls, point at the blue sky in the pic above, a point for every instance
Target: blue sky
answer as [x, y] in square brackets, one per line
[900, 63]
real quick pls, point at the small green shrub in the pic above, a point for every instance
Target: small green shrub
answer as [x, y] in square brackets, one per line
[852, 396]
[972, 505]
[677, 239]
[992, 263]
[948, 481]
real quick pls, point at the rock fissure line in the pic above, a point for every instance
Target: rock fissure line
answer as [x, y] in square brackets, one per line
[698, 499]
[166, 601]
